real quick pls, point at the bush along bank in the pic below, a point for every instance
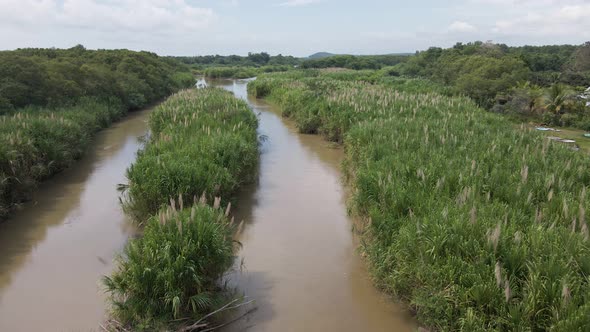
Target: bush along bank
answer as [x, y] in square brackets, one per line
[53, 101]
[476, 225]
[36, 143]
[203, 146]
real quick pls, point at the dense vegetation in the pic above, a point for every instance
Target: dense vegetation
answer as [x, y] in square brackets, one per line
[252, 60]
[355, 62]
[56, 77]
[242, 72]
[539, 82]
[203, 144]
[53, 101]
[543, 82]
[476, 225]
[202, 141]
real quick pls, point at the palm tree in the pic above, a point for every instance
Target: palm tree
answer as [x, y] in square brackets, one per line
[556, 98]
[534, 94]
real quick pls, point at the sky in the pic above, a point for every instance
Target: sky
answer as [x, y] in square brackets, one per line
[288, 27]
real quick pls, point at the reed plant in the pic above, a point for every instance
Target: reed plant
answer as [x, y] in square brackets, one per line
[201, 141]
[170, 275]
[474, 224]
[36, 143]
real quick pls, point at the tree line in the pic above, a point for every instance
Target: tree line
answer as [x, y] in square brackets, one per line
[539, 81]
[251, 60]
[58, 77]
[355, 62]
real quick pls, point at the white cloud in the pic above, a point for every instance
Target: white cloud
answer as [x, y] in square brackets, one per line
[135, 16]
[238, 26]
[553, 21]
[297, 3]
[530, 3]
[462, 27]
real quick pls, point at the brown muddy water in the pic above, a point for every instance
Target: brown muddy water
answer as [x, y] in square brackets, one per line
[300, 263]
[54, 251]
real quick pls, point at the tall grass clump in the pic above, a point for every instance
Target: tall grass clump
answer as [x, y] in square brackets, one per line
[473, 223]
[201, 141]
[173, 270]
[36, 143]
[203, 144]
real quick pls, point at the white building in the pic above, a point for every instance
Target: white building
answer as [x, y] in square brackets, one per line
[586, 95]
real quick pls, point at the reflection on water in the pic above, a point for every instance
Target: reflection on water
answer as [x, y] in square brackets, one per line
[54, 251]
[301, 267]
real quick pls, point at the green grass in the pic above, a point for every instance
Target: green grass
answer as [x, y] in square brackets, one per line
[475, 225]
[203, 147]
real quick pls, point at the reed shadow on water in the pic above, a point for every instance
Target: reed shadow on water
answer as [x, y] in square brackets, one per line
[261, 310]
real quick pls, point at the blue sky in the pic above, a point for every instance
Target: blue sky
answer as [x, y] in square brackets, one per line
[297, 27]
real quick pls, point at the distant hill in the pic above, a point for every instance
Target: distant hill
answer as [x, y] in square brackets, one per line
[320, 55]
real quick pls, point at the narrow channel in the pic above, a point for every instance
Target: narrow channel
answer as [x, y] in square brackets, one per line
[300, 262]
[54, 251]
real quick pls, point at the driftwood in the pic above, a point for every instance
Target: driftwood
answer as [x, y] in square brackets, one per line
[229, 306]
[112, 325]
[231, 321]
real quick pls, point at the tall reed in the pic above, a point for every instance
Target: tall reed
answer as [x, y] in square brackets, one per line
[476, 225]
[201, 141]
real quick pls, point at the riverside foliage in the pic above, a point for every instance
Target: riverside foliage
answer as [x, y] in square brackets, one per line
[203, 144]
[53, 101]
[476, 225]
[36, 143]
